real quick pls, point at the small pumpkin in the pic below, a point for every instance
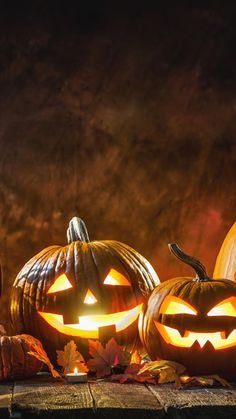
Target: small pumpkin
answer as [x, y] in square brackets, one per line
[226, 260]
[15, 362]
[192, 321]
[84, 290]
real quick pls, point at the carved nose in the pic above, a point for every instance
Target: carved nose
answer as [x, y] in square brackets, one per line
[90, 297]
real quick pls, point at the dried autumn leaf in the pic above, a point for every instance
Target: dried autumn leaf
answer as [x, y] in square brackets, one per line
[167, 371]
[155, 366]
[135, 358]
[104, 358]
[39, 353]
[70, 358]
[206, 380]
[131, 374]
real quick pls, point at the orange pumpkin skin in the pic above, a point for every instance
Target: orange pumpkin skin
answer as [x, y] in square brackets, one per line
[15, 362]
[85, 266]
[226, 260]
[194, 344]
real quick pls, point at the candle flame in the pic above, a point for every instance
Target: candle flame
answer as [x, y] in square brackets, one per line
[75, 370]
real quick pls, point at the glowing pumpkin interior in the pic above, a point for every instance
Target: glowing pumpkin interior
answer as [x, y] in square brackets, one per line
[88, 326]
[220, 339]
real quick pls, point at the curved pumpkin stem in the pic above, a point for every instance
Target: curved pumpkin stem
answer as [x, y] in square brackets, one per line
[190, 260]
[77, 231]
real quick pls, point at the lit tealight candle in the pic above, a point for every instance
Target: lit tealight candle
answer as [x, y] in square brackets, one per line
[77, 377]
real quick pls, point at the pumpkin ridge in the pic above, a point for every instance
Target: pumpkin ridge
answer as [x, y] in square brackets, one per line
[124, 251]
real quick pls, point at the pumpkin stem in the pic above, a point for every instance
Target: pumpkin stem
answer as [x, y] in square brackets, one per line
[190, 260]
[77, 231]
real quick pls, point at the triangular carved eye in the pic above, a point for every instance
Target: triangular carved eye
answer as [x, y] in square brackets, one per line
[175, 305]
[116, 278]
[224, 308]
[62, 283]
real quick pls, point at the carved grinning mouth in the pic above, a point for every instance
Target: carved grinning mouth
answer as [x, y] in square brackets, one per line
[217, 339]
[88, 326]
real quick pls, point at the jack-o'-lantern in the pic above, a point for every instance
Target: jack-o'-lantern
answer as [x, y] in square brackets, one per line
[85, 290]
[192, 321]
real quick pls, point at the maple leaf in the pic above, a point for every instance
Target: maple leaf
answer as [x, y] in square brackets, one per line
[135, 358]
[105, 358]
[39, 353]
[70, 358]
[2, 330]
[205, 380]
[131, 374]
[167, 371]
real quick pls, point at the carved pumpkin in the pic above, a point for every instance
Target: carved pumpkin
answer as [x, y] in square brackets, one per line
[15, 362]
[85, 290]
[226, 260]
[192, 321]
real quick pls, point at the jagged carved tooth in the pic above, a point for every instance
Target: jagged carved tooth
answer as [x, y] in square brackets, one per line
[182, 332]
[227, 333]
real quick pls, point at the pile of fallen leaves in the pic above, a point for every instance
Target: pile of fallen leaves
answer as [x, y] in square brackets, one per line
[115, 363]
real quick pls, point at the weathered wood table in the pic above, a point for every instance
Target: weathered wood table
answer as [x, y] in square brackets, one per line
[45, 398]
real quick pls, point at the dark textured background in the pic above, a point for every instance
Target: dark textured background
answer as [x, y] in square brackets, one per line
[124, 114]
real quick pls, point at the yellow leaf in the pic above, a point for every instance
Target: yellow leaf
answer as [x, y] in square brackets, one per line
[155, 366]
[205, 380]
[167, 371]
[70, 358]
[135, 358]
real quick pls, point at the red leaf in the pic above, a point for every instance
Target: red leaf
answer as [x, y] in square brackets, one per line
[104, 358]
[131, 374]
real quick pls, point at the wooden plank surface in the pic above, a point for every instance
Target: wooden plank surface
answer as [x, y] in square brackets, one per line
[119, 400]
[52, 399]
[5, 400]
[46, 398]
[202, 403]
